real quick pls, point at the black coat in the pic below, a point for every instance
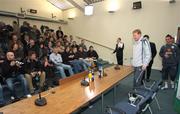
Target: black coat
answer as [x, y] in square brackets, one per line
[32, 66]
[65, 58]
[82, 54]
[153, 49]
[93, 53]
[8, 71]
[119, 51]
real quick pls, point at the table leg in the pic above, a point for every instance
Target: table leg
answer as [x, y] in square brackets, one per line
[102, 102]
[114, 95]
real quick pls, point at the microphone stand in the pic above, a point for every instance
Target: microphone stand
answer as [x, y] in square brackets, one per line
[40, 101]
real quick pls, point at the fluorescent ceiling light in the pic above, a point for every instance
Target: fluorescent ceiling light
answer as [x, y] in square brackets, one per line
[89, 10]
[61, 4]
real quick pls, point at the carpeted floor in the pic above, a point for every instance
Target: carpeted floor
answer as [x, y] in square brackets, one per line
[165, 97]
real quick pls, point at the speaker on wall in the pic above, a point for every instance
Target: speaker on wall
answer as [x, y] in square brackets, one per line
[137, 5]
[172, 1]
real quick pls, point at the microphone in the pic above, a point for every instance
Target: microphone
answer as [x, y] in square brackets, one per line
[40, 101]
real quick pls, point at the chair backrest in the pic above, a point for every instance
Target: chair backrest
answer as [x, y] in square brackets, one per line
[156, 86]
[113, 110]
[143, 103]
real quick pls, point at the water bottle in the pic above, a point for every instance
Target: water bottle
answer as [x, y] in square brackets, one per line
[93, 75]
[90, 76]
[100, 71]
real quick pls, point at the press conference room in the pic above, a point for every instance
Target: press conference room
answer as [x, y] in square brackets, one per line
[89, 57]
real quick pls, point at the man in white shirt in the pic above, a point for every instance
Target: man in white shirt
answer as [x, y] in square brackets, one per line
[141, 56]
[56, 58]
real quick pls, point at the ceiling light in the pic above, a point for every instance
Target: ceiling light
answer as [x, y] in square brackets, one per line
[89, 10]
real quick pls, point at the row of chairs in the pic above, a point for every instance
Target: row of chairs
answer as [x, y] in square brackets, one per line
[139, 101]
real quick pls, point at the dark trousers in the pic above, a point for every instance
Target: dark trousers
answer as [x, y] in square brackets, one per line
[119, 59]
[169, 71]
[147, 74]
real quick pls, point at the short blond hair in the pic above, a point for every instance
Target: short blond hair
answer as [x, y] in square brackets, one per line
[138, 31]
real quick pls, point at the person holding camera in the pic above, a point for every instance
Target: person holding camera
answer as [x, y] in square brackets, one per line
[119, 51]
[12, 71]
[33, 70]
[170, 58]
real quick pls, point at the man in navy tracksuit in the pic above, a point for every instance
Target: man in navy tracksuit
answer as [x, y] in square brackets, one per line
[170, 59]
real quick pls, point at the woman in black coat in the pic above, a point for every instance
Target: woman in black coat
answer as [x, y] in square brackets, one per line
[119, 51]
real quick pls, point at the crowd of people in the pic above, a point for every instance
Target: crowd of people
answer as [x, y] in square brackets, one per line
[28, 54]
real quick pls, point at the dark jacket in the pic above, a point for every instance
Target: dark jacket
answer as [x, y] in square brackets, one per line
[119, 50]
[9, 71]
[32, 66]
[93, 53]
[43, 52]
[75, 46]
[65, 57]
[33, 48]
[153, 49]
[19, 54]
[82, 54]
[173, 55]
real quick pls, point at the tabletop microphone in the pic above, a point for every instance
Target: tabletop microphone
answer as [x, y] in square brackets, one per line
[40, 101]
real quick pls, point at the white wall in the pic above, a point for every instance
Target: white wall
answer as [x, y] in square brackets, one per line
[43, 7]
[157, 18]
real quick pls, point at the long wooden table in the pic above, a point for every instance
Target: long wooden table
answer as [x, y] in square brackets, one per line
[70, 95]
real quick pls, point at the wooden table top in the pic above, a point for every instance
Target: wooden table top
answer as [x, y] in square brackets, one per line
[70, 95]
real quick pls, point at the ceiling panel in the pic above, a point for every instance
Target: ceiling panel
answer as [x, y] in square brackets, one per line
[64, 4]
[92, 1]
[61, 4]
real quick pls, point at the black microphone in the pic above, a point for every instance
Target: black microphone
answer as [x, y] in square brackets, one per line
[40, 101]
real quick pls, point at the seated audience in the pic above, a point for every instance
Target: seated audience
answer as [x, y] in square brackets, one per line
[72, 58]
[92, 53]
[33, 70]
[71, 39]
[83, 56]
[25, 27]
[14, 39]
[82, 44]
[40, 59]
[78, 60]
[16, 29]
[43, 51]
[25, 42]
[59, 33]
[18, 52]
[67, 57]
[56, 58]
[74, 45]
[12, 72]
[33, 47]
[2, 57]
[49, 48]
